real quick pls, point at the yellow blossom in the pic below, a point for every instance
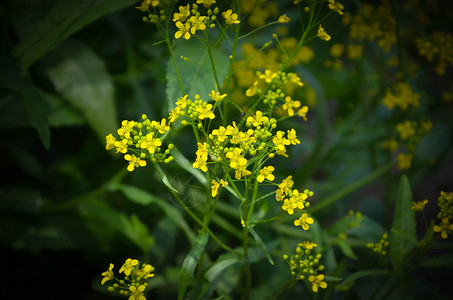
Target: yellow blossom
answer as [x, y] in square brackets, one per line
[322, 34]
[134, 162]
[266, 173]
[444, 228]
[336, 6]
[216, 96]
[205, 112]
[183, 30]
[128, 266]
[404, 161]
[110, 142]
[108, 275]
[420, 205]
[137, 293]
[206, 3]
[317, 281]
[284, 19]
[303, 221]
[230, 17]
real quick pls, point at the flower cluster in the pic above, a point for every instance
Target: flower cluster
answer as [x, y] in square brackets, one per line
[400, 96]
[271, 87]
[303, 264]
[409, 133]
[445, 203]
[294, 201]
[135, 279]
[139, 141]
[381, 246]
[437, 47]
[373, 23]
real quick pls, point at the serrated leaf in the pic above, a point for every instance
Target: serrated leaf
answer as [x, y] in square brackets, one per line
[196, 73]
[403, 226]
[349, 281]
[82, 79]
[62, 20]
[191, 262]
[260, 244]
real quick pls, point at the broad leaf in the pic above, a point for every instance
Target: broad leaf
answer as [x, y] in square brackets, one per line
[62, 20]
[196, 73]
[82, 79]
[402, 235]
[36, 108]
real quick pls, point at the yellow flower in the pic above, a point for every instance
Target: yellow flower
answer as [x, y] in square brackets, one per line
[205, 112]
[266, 173]
[302, 112]
[404, 161]
[108, 275]
[419, 206]
[184, 13]
[215, 186]
[284, 19]
[216, 96]
[444, 228]
[336, 6]
[253, 90]
[145, 272]
[290, 104]
[197, 23]
[183, 30]
[126, 128]
[317, 281]
[206, 3]
[322, 34]
[406, 129]
[137, 292]
[121, 146]
[303, 221]
[257, 119]
[150, 143]
[268, 76]
[134, 162]
[110, 142]
[128, 266]
[241, 171]
[307, 245]
[230, 17]
[292, 137]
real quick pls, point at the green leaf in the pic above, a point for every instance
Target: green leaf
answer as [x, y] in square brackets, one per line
[260, 244]
[100, 212]
[217, 274]
[165, 178]
[349, 281]
[36, 108]
[196, 74]
[62, 20]
[346, 249]
[191, 262]
[143, 197]
[82, 79]
[403, 227]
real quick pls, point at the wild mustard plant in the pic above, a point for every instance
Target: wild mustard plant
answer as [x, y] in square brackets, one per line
[238, 134]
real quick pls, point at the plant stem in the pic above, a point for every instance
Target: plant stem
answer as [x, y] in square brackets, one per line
[214, 237]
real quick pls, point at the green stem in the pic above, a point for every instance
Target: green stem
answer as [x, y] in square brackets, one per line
[214, 237]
